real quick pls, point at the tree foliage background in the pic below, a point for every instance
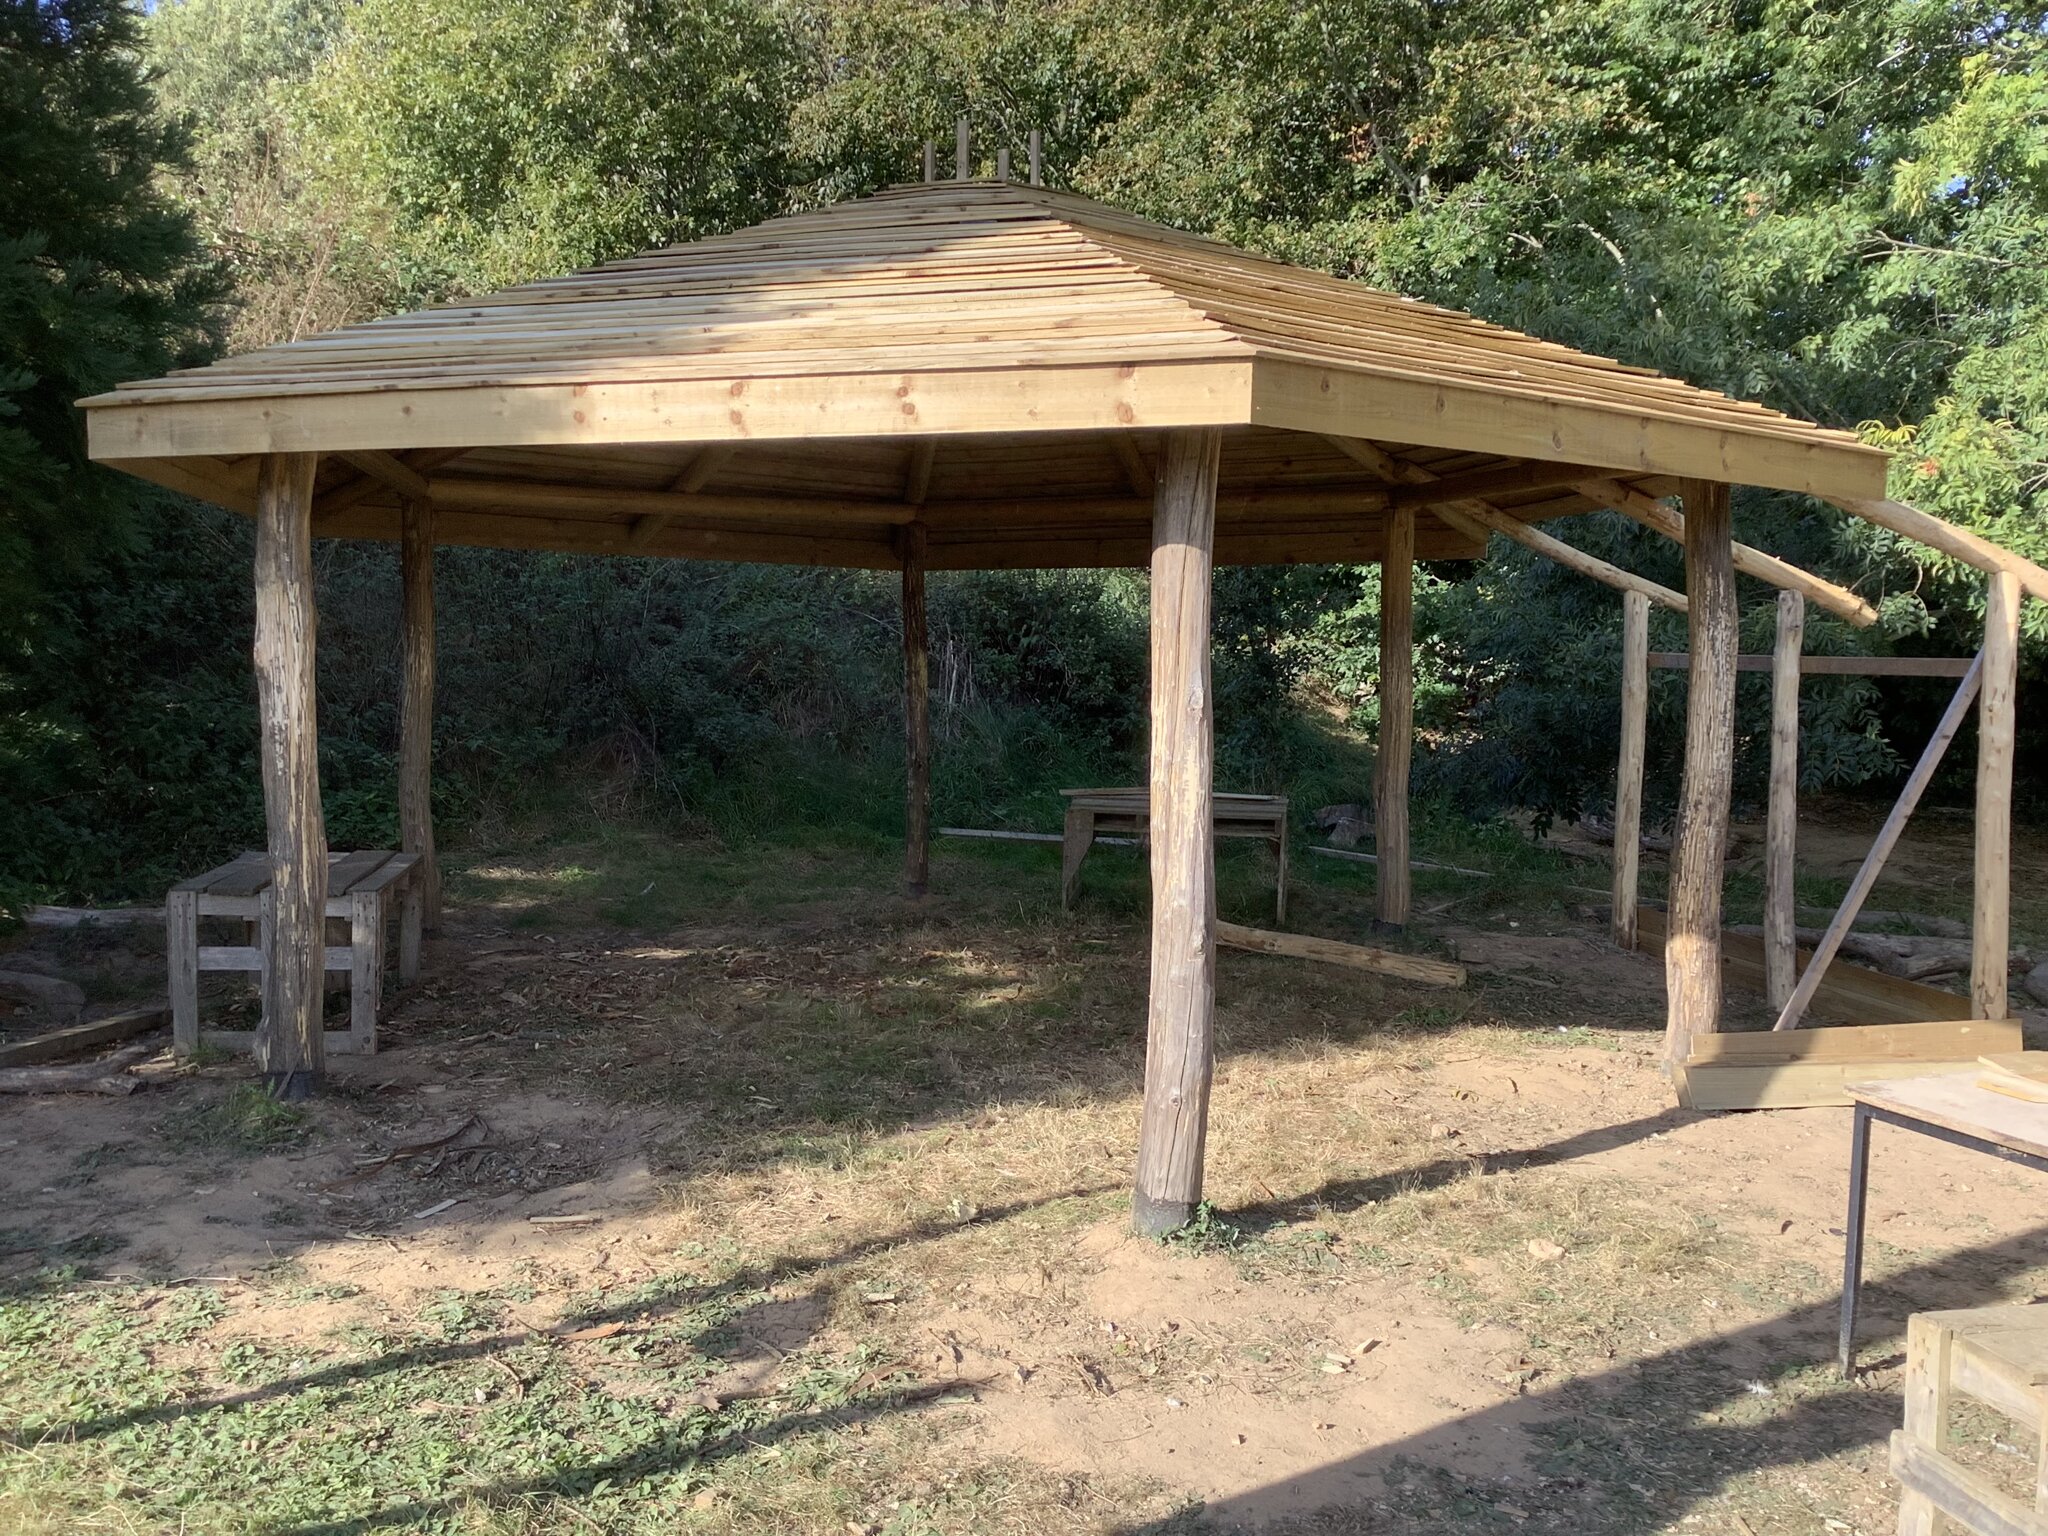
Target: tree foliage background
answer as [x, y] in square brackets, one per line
[1838, 207]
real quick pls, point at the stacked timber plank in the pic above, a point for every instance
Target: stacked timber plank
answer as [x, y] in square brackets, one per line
[2016, 1074]
[1803, 1068]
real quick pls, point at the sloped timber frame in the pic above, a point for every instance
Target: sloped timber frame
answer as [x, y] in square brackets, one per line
[977, 375]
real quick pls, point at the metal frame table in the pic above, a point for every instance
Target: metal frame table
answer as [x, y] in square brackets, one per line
[1949, 1107]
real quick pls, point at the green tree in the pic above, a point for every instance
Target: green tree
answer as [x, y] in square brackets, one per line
[502, 140]
[230, 72]
[101, 279]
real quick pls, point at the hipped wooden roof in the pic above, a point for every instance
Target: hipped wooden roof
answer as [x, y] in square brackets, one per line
[993, 361]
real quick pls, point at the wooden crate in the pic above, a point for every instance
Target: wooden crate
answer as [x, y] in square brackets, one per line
[1997, 1356]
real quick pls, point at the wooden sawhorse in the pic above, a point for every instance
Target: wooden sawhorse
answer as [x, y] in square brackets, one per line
[360, 887]
[1093, 812]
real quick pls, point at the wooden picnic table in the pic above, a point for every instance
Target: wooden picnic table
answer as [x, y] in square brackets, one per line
[360, 887]
[1949, 1107]
[1128, 812]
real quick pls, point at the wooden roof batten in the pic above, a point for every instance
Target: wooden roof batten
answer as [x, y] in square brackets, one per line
[780, 393]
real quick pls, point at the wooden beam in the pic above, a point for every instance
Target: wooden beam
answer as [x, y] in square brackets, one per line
[917, 471]
[1357, 957]
[1655, 515]
[418, 464]
[853, 548]
[1397, 721]
[1179, 1044]
[1880, 849]
[1529, 475]
[464, 494]
[1137, 473]
[1371, 455]
[416, 702]
[388, 470]
[694, 476]
[1628, 776]
[291, 1042]
[1835, 666]
[1692, 955]
[1429, 409]
[1781, 820]
[514, 496]
[1957, 543]
[704, 463]
[1085, 397]
[1991, 916]
[1478, 519]
[917, 720]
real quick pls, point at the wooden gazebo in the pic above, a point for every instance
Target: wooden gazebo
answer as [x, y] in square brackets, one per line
[978, 375]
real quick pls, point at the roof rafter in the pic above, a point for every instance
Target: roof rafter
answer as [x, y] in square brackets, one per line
[1655, 515]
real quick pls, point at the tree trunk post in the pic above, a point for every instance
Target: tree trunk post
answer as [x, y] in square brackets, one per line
[1991, 921]
[1781, 824]
[1397, 722]
[1628, 775]
[1692, 953]
[291, 1045]
[917, 719]
[416, 705]
[1179, 1048]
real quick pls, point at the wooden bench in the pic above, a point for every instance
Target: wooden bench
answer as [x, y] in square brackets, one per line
[1094, 812]
[360, 888]
[1997, 1356]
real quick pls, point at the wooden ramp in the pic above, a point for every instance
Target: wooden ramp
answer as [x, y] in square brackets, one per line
[1848, 992]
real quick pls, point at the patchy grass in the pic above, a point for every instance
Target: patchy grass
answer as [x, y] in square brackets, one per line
[247, 1118]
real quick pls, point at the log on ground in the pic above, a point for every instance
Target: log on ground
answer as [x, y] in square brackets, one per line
[1358, 957]
[108, 1075]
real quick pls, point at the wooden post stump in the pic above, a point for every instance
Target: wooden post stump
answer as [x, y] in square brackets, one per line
[1781, 822]
[917, 719]
[416, 704]
[1628, 776]
[290, 1048]
[1178, 1044]
[1692, 952]
[1397, 722]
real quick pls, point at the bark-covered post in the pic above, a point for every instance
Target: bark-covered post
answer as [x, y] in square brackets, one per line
[1628, 775]
[290, 1046]
[416, 703]
[917, 719]
[1397, 721]
[1179, 1049]
[1781, 823]
[1692, 951]
[1991, 919]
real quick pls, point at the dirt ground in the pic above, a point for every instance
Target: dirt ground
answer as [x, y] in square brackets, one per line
[1466, 1268]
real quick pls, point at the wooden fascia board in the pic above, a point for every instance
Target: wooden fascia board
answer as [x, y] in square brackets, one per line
[1095, 397]
[1309, 397]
